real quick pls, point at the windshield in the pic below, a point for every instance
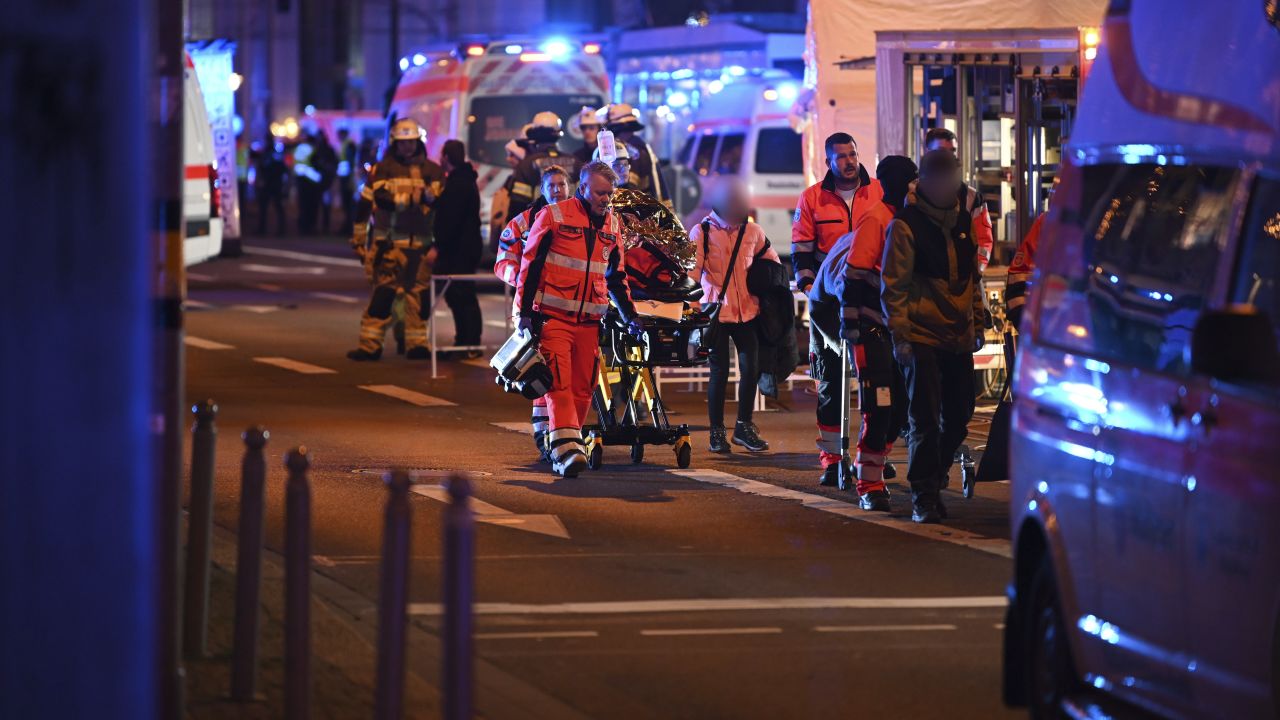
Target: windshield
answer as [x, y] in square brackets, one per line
[495, 120]
[778, 152]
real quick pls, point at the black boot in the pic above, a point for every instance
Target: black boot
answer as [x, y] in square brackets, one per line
[362, 355]
[830, 475]
[746, 435]
[421, 352]
[875, 501]
[718, 442]
[889, 471]
[398, 333]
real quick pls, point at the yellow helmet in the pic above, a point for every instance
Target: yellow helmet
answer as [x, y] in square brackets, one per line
[405, 129]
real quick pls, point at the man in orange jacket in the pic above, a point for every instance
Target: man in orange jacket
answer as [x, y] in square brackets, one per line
[573, 264]
[830, 209]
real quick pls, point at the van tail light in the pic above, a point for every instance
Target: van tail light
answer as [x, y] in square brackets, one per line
[215, 194]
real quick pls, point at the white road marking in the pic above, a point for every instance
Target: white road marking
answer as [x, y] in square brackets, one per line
[257, 309]
[295, 365]
[335, 297]
[480, 362]
[525, 428]
[676, 632]
[537, 635]
[407, 395]
[998, 626]
[266, 286]
[624, 607]
[204, 344]
[494, 515]
[284, 269]
[880, 628]
[945, 533]
[195, 304]
[496, 323]
[199, 277]
[309, 257]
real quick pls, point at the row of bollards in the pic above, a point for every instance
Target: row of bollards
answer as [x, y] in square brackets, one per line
[458, 577]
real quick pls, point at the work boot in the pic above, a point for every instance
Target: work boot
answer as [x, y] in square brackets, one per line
[875, 501]
[570, 465]
[746, 435]
[889, 471]
[362, 355]
[421, 352]
[718, 442]
[831, 475]
[924, 512]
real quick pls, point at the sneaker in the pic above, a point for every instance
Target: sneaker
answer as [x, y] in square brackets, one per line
[924, 514]
[718, 442]
[421, 352]
[574, 462]
[889, 471]
[875, 501]
[746, 435]
[361, 355]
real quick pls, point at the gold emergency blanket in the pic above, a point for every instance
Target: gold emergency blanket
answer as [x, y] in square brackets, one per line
[644, 218]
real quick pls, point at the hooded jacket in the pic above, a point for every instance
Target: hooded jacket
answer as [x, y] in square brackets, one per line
[931, 286]
[822, 217]
[457, 229]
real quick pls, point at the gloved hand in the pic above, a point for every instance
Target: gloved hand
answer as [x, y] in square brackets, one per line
[903, 353]
[531, 323]
[851, 332]
[979, 340]
[803, 284]
[636, 327]
[987, 320]
[1013, 317]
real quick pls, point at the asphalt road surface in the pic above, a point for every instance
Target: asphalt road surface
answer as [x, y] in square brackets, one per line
[735, 589]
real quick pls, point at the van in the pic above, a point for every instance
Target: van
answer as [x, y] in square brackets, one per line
[200, 192]
[1145, 440]
[744, 131]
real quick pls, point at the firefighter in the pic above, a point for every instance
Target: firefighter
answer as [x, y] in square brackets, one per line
[621, 120]
[555, 187]
[572, 266]
[398, 253]
[543, 134]
[970, 199]
[589, 124]
[501, 201]
[621, 166]
[831, 208]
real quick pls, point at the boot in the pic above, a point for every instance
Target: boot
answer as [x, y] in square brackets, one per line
[875, 501]
[746, 435]
[889, 471]
[421, 352]
[362, 355]
[569, 465]
[718, 442]
[831, 475]
[540, 441]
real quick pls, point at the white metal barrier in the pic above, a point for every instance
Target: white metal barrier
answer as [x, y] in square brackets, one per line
[431, 316]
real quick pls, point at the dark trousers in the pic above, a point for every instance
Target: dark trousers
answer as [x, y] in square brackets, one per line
[347, 194]
[940, 404]
[308, 205]
[270, 201]
[748, 345]
[465, 306]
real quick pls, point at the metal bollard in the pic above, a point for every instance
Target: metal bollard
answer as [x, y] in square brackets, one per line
[297, 587]
[195, 621]
[392, 599]
[459, 583]
[244, 659]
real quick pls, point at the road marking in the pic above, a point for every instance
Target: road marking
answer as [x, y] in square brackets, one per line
[480, 362]
[525, 428]
[198, 277]
[536, 635]
[257, 309]
[266, 286]
[998, 626]
[295, 365]
[204, 344]
[880, 628]
[677, 632]
[624, 607]
[284, 270]
[407, 395]
[309, 257]
[494, 515]
[195, 304]
[335, 297]
[496, 324]
[945, 533]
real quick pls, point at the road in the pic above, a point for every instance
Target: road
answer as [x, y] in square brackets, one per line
[736, 589]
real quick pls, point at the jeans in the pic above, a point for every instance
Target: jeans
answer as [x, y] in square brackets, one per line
[940, 393]
[748, 345]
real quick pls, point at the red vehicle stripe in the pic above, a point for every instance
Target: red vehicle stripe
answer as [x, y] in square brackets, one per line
[1138, 90]
[197, 172]
[427, 86]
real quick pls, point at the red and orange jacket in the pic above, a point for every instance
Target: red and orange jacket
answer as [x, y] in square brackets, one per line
[1024, 263]
[511, 243]
[821, 218]
[572, 265]
[972, 200]
[861, 296]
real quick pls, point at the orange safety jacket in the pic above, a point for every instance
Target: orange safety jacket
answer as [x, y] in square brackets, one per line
[511, 243]
[573, 265]
[861, 299]
[822, 217]
[1024, 263]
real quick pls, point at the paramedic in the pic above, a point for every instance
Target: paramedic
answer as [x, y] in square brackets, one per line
[932, 301]
[1019, 278]
[726, 243]
[831, 208]
[571, 268]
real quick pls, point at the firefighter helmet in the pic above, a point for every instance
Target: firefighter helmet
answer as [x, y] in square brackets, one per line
[405, 129]
[549, 120]
[620, 117]
[587, 117]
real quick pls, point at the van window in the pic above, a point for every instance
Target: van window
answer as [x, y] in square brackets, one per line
[685, 156]
[730, 157]
[778, 152]
[706, 151]
[1259, 269]
[1151, 248]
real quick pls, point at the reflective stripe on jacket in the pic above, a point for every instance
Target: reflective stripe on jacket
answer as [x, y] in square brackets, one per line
[397, 193]
[822, 217]
[571, 266]
[511, 243]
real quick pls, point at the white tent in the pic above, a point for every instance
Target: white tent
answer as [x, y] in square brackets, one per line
[844, 30]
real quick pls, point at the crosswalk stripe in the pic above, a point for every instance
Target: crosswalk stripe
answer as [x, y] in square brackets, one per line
[880, 628]
[257, 309]
[677, 632]
[204, 344]
[520, 427]
[554, 635]
[335, 297]
[309, 257]
[410, 396]
[295, 365]
[624, 607]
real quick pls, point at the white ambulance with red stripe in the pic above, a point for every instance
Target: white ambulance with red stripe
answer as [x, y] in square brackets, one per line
[200, 193]
[744, 130]
[483, 93]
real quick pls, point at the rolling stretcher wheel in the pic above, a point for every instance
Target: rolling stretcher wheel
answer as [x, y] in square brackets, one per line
[967, 479]
[684, 454]
[596, 458]
[637, 452]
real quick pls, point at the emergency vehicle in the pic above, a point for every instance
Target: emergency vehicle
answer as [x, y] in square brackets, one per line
[201, 197]
[744, 130]
[484, 93]
[1144, 492]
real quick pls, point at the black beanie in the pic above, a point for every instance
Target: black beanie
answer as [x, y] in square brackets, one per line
[895, 174]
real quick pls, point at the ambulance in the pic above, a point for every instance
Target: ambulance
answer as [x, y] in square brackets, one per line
[483, 93]
[201, 196]
[744, 130]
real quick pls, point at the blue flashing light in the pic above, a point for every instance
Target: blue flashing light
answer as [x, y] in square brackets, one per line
[513, 49]
[736, 70]
[677, 99]
[556, 48]
[787, 92]
[681, 74]
[404, 64]
[419, 59]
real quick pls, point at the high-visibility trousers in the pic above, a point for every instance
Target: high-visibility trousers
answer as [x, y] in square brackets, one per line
[396, 268]
[570, 352]
[882, 400]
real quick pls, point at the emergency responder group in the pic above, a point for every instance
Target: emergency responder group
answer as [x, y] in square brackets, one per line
[891, 266]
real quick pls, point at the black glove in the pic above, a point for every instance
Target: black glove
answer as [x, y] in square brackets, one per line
[979, 340]
[1013, 316]
[636, 327]
[530, 323]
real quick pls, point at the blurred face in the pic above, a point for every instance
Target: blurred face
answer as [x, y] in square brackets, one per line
[941, 187]
[622, 166]
[598, 192]
[590, 133]
[733, 204]
[843, 161]
[941, 144]
[555, 188]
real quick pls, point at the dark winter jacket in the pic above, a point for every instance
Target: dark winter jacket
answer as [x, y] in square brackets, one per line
[457, 229]
[775, 323]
